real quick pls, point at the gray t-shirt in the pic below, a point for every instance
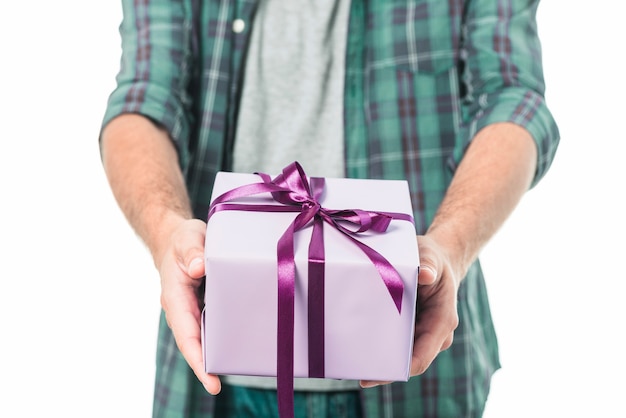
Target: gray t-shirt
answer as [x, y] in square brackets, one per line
[292, 107]
[292, 100]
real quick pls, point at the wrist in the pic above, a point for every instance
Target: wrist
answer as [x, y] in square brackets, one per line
[141, 163]
[458, 250]
[161, 238]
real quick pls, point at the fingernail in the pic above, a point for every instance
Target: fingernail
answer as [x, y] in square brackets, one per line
[429, 269]
[195, 263]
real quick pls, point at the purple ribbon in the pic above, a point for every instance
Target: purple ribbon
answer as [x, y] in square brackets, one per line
[296, 194]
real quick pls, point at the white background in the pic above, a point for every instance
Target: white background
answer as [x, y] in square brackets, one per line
[79, 295]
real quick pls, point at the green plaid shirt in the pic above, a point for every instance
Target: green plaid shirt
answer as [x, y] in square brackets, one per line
[422, 77]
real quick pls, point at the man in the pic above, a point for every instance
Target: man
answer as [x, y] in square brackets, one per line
[445, 94]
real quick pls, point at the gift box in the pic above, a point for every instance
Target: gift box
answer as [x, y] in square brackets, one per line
[362, 331]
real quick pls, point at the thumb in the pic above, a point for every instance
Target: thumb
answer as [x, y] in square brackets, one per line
[190, 247]
[427, 275]
[195, 268]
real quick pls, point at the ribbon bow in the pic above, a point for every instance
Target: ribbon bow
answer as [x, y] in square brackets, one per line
[292, 189]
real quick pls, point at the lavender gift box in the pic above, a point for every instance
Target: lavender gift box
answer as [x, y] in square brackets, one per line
[364, 336]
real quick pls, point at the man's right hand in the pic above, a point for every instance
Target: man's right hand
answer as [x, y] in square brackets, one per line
[181, 268]
[142, 166]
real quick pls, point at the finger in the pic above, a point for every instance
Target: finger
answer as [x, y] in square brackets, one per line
[427, 275]
[447, 343]
[189, 248]
[434, 332]
[184, 320]
[425, 349]
[192, 351]
[372, 383]
[195, 268]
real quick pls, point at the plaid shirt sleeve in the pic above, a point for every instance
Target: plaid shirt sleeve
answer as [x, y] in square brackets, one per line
[154, 69]
[504, 75]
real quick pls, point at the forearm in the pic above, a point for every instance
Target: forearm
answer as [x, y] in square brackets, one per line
[141, 165]
[495, 172]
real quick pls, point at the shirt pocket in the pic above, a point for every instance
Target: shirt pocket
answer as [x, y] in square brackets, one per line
[420, 36]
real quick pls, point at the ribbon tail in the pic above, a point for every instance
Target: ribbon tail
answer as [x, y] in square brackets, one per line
[389, 275]
[316, 301]
[285, 327]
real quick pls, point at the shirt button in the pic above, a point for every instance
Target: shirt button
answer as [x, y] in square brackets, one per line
[239, 25]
